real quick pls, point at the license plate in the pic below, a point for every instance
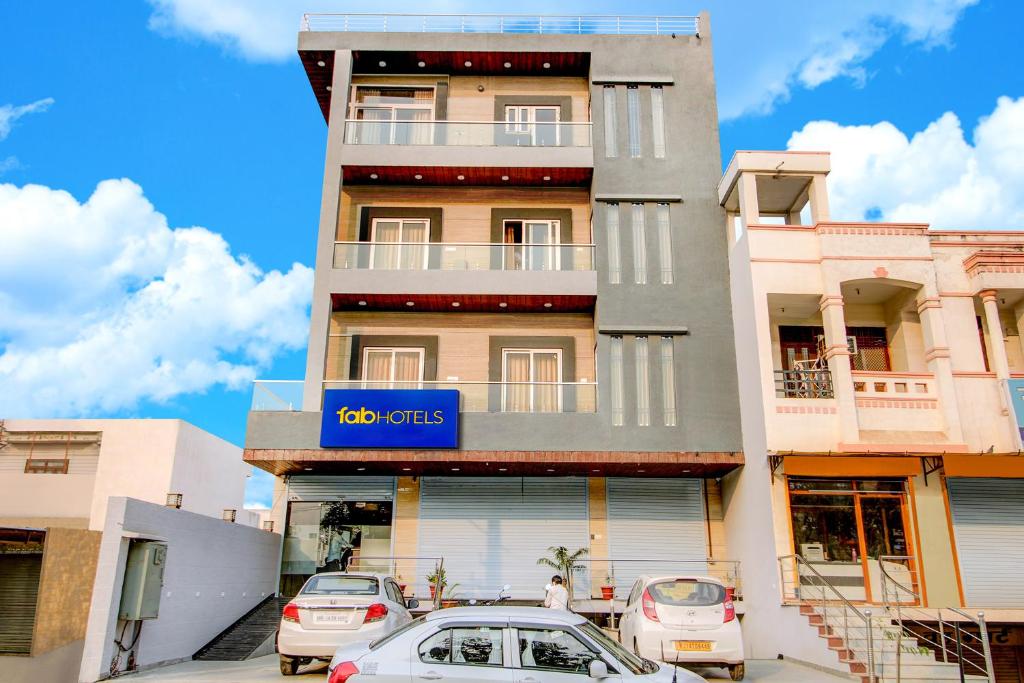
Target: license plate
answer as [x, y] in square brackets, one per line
[692, 645]
[332, 618]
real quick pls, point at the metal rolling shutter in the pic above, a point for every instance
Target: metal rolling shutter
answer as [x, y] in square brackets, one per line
[655, 519]
[491, 531]
[19, 588]
[314, 488]
[988, 523]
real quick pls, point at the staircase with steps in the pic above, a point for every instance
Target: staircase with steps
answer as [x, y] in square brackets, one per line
[847, 635]
[242, 638]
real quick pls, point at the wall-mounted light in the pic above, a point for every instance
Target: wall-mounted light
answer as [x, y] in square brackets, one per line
[418, 176]
[229, 514]
[421, 64]
[174, 500]
[504, 177]
[480, 88]
[321, 63]
[547, 65]
[460, 177]
[362, 303]
[268, 525]
[467, 63]
[374, 176]
[382, 64]
[502, 305]
[410, 303]
[508, 65]
[329, 88]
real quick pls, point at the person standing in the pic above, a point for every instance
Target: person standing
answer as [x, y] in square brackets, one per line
[557, 596]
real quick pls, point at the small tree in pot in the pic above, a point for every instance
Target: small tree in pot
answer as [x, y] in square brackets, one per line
[566, 563]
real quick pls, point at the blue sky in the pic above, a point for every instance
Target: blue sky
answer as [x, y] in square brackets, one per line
[161, 166]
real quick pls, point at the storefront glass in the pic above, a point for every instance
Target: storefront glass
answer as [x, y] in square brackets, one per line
[330, 536]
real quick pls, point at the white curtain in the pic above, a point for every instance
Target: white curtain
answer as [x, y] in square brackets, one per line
[385, 249]
[377, 369]
[517, 373]
[545, 369]
[414, 251]
[407, 369]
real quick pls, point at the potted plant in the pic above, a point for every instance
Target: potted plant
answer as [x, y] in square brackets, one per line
[608, 588]
[436, 578]
[567, 563]
[401, 585]
[449, 598]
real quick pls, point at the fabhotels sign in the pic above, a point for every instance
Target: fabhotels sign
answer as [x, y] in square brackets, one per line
[390, 418]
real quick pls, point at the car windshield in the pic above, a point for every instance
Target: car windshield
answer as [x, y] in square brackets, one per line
[687, 593]
[341, 585]
[628, 660]
[380, 642]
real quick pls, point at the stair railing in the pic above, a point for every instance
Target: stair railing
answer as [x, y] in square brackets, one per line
[902, 603]
[800, 573]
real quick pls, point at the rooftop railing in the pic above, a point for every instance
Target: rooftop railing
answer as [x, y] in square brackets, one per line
[595, 24]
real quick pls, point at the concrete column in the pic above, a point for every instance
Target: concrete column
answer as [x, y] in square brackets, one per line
[406, 527]
[1018, 316]
[749, 210]
[1000, 364]
[818, 194]
[320, 314]
[597, 491]
[837, 354]
[937, 356]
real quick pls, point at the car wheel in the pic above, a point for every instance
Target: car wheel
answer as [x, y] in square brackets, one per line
[737, 671]
[289, 666]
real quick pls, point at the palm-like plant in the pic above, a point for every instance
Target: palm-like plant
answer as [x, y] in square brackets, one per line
[566, 562]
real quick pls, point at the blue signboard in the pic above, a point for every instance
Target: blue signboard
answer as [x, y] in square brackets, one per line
[1016, 388]
[390, 418]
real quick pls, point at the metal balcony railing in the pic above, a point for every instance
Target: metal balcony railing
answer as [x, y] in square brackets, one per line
[803, 384]
[463, 256]
[595, 24]
[468, 133]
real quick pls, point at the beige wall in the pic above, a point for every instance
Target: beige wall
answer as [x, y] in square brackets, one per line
[65, 588]
[937, 563]
[597, 505]
[467, 103]
[462, 338]
[406, 527]
[466, 212]
[718, 549]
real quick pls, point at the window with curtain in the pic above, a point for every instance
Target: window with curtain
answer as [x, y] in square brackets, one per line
[532, 380]
[393, 115]
[643, 382]
[611, 222]
[615, 369]
[531, 244]
[668, 381]
[392, 368]
[399, 243]
[658, 120]
[611, 147]
[663, 215]
[639, 245]
[633, 123]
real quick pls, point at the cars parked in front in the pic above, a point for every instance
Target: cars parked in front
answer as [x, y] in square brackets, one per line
[685, 619]
[507, 644]
[334, 609]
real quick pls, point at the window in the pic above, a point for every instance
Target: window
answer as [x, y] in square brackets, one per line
[399, 243]
[554, 650]
[611, 218]
[658, 120]
[480, 646]
[663, 215]
[531, 380]
[668, 381]
[392, 115]
[643, 383]
[533, 126]
[687, 593]
[611, 150]
[633, 114]
[340, 585]
[386, 367]
[531, 245]
[394, 593]
[618, 400]
[639, 245]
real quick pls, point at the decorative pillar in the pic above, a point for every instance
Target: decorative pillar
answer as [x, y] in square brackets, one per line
[1000, 363]
[937, 356]
[837, 354]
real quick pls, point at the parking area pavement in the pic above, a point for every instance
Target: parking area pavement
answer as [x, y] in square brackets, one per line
[265, 669]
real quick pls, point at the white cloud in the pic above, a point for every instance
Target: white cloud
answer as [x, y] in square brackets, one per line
[10, 113]
[936, 176]
[763, 50]
[102, 304]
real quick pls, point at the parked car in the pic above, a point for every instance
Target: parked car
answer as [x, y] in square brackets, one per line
[688, 619]
[500, 643]
[335, 608]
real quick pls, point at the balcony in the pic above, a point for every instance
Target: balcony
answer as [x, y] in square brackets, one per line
[463, 256]
[474, 397]
[467, 133]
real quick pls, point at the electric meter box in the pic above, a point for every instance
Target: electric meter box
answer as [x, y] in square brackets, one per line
[143, 580]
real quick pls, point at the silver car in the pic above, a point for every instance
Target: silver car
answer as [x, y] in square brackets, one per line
[507, 644]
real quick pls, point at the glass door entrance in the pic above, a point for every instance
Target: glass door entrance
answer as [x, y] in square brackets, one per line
[849, 530]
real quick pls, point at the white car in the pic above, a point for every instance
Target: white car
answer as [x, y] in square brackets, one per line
[336, 608]
[488, 644]
[690, 620]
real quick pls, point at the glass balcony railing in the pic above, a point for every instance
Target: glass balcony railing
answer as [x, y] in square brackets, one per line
[467, 133]
[462, 256]
[474, 397]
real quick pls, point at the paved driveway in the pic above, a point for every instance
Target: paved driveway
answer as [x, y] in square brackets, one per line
[265, 669]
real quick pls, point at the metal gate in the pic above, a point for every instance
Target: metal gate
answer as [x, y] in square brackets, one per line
[328, 488]
[19, 589]
[492, 531]
[988, 523]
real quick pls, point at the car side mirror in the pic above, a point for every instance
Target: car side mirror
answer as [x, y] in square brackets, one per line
[598, 669]
[412, 603]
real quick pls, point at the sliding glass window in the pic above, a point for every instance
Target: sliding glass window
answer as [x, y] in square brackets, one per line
[610, 123]
[633, 114]
[643, 382]
[639, 245]
[658, 120]
[611, 221]
[618, 399]
[663, 215]
[668, 381]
